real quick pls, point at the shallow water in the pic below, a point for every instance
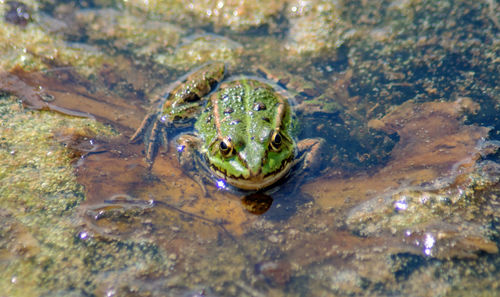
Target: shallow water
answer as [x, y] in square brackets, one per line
[405, 203]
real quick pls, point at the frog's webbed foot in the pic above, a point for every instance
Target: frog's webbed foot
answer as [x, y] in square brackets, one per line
[311, 152]
[189, 159]
[311, 157]
[152, 132]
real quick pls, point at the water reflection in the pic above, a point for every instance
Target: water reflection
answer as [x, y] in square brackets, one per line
[257, 203]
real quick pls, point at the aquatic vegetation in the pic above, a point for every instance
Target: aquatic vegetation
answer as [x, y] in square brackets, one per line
[237, 15]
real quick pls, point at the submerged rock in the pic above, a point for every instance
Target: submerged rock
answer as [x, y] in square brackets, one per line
[315, 27]
[434, 164]
[237, 15]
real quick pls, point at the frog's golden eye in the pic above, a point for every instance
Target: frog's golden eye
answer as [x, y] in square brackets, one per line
[276, 141]
[226, 147]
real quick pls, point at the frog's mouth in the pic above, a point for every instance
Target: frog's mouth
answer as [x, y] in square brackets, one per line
[258, 181]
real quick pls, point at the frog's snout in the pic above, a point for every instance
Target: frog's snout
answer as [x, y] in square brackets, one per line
[254, 165]
[255, 172]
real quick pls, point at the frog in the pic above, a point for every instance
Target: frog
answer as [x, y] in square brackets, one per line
[244, 130]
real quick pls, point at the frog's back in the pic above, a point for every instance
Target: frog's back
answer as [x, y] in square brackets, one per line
[245, 110]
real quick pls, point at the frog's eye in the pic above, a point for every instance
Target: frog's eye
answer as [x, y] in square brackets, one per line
[226, 147]
[276, 141]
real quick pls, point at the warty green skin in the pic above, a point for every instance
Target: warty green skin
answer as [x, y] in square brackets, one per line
[184, 101]
[243, 132]
[250, 112]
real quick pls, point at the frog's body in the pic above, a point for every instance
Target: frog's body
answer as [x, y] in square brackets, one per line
[244, 130]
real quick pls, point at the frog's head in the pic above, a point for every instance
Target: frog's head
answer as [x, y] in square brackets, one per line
[252, 146]
[252, 163]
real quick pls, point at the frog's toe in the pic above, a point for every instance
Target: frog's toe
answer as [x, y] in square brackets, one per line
[151, 151]
[143, 128]
[156, 137]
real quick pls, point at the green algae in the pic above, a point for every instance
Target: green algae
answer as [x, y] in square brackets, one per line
[197, 50]
[237, 15]
[33, 49]
[41, 242]
[126, 32]
[315, 27]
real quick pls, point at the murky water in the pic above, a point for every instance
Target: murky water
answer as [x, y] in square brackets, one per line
[405, 201]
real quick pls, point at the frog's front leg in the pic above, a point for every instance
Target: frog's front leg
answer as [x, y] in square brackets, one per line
[188, 146]
[179, 108]
[311, 155]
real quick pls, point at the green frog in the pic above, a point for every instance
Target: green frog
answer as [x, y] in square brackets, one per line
[244, 134]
